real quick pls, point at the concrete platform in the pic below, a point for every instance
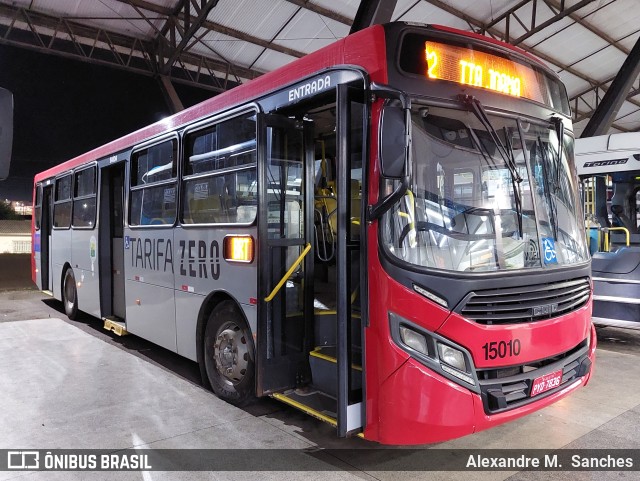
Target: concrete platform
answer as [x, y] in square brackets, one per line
[69, 384]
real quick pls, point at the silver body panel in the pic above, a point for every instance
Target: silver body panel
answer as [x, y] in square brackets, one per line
[149, 265]
[61, 253]
[196, 276]
[84, 261]
[119, 303]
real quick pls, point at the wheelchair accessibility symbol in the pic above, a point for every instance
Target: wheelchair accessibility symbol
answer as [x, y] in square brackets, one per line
[549, 249]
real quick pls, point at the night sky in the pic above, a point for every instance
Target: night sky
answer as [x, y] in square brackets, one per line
[64, 107]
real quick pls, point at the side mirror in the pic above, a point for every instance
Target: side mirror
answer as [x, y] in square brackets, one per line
[394, 141]
[394, 146]
[6, 131]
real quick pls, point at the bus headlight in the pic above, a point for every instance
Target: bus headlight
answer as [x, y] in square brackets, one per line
[434, 351]
[452, 356]
[414, 340]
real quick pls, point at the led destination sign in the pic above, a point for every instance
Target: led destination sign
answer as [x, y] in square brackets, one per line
[473, 64]
[479, 69]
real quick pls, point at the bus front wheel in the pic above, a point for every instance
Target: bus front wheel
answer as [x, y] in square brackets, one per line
[228, 353]
[70, 295]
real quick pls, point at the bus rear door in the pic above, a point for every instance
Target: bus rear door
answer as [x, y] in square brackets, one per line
[111, 241]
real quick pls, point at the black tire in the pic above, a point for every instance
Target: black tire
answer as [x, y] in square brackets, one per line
[229, 355]
[70, 295]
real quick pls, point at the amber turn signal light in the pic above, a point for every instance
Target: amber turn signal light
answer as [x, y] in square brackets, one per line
[238, 248]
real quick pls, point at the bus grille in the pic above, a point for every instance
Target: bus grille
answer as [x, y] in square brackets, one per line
[526, 303]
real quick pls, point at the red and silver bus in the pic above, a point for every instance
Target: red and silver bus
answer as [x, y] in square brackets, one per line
[385, 234]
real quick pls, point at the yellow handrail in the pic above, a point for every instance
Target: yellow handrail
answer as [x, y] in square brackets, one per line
[275, 290]
[607, 229]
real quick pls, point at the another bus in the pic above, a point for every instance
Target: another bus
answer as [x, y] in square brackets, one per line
[609, 169]
[385, 234]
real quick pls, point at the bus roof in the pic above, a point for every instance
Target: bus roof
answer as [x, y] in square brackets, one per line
[364, 49]
[604, 154]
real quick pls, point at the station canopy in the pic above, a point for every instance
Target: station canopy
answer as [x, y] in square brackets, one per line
[217, 44]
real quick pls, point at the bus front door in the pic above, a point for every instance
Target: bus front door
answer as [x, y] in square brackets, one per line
[351, 269]
[286, 270]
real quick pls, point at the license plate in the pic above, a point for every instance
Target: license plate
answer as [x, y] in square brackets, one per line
[544, 383]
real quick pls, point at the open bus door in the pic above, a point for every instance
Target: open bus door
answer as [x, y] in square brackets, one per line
[286, 272]
[111, 242]
[308, 355]
[350, 258]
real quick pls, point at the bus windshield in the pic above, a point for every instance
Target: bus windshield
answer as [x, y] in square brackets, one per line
[469, 208]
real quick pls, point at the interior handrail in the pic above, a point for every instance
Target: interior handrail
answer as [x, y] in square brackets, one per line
[285, 278]
[608, 229]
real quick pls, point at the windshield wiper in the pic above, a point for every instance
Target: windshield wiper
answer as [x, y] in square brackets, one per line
[559, 128]
[546, 166]
[505, 152]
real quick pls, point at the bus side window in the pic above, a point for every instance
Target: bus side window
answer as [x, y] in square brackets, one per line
[84, 198]
[153, 185]
[62, 204]
[37, 208]
[220, 173]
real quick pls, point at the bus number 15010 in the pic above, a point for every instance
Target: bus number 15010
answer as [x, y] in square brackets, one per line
[502, 349]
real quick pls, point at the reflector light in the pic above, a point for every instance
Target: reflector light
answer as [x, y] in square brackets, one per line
[238, 248]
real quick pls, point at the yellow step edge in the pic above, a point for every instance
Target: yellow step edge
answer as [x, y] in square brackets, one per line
[317, 353]
[49, 293]
[115, 327]
[306, 409]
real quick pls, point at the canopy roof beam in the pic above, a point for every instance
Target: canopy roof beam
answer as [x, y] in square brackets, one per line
[60, 36]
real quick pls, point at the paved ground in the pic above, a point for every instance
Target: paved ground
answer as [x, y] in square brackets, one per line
[67, 384]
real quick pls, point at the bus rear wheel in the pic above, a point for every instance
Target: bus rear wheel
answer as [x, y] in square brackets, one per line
[228, 355]
[70, 295]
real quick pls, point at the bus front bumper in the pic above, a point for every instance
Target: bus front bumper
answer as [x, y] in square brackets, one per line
[419, 406]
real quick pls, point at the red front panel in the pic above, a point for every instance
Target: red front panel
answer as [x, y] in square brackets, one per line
[408, 403]
[537, 340]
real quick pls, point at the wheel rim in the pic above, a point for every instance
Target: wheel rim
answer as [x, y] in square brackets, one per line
[69, 292]
[231, 352]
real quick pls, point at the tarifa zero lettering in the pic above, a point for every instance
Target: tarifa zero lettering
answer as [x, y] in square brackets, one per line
[199, 260]
[153, 254]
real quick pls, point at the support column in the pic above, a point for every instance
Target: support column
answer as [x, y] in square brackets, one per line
[607, 110]
[373, 12]
[170, 95]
